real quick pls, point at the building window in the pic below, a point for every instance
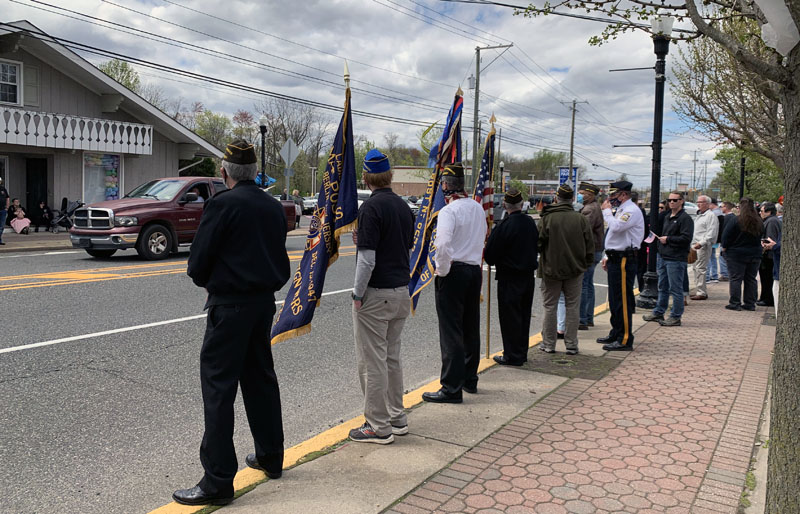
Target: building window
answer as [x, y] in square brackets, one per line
[102, 177]
[10, 82]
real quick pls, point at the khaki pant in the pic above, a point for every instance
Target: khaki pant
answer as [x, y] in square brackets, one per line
[377, 327]
[551, 291]
[700, 267]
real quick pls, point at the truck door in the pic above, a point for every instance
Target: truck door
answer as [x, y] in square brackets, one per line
[189, 213]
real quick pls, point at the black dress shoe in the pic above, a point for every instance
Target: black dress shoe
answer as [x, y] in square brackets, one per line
[559, 335]
[501, 359]
[591, 323]
[441, 397]
[749, 307]
[617, 346]
[252, 462]
[196, 496]
[583, 326]
[470, 389]
[762, 303]
[606, 340]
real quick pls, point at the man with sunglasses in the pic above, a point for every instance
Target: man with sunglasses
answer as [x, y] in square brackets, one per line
[625, 234]
[675, 235]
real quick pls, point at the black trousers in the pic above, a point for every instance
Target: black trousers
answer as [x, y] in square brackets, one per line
[621, 274]
[514, 303]
[641, 267]
[236, 352]
[744, 271]
[458, 300]
[765, 276]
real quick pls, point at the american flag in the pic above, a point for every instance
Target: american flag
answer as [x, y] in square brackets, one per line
[484, 187]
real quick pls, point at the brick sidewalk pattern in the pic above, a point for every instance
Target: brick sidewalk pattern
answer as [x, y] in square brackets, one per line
[671, 429]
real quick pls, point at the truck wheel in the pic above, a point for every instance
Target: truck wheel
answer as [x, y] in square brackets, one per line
[155, 243]
[101, 254]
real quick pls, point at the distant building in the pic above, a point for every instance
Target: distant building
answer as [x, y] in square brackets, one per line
[69, 130]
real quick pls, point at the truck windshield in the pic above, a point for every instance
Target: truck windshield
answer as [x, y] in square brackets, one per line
[157, 189]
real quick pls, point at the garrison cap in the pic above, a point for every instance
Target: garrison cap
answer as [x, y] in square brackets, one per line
[565, 192]
[512, 196]
[376, 162]
[620, 186]
[588, 186]
[240, 152]
[455, 169]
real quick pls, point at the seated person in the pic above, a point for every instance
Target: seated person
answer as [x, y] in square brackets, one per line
[196, 190]
[20, 223]
[43, 215]
[13, 208]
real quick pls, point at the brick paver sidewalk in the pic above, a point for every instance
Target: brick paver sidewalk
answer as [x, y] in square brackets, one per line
[671, 429]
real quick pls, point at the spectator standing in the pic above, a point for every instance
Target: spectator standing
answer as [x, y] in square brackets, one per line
[239, 257]
[512, 249]
[567, 247]
[298, 206]
[727, 214]
[706, 228]
[775, 246]
[5, 202]
[712, 273]
[741, 242]
[594, 215]
[772, 231]
[675, 236]
[625, 233]
[460, 234]
[380, 302]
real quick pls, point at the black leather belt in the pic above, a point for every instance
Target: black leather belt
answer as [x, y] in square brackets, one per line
[628, 252]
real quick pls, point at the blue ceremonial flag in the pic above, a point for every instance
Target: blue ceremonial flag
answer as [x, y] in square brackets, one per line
[335, 214]
[423, 253]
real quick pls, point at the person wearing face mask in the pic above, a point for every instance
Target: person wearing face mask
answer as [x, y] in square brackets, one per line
[624, 236]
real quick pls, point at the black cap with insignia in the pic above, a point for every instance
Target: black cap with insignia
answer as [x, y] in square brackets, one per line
[588, 186]
[565, 192]
[240, 152]
[512, 196]
[620, 186]
[455, 169]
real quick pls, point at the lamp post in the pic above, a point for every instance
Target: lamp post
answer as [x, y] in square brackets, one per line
[502, 177]
[262, 127]
[662, 27]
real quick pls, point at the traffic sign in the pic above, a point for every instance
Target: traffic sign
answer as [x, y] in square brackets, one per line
[289, 152]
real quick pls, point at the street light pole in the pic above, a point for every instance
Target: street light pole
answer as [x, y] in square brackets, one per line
[262, 127]
[662, 27]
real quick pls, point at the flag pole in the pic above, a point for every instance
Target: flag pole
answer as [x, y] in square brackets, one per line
[489, 270]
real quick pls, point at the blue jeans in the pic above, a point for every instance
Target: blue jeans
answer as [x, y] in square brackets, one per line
[670, 283]
[3, 215]
[711, 272]
[561, 314]
[587, 293]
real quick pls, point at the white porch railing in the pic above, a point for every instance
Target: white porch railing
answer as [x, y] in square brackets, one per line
[48, 130]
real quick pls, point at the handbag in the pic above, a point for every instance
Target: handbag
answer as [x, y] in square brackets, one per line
[692, 256]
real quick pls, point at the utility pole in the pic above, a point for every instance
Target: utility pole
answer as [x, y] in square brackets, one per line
[475, 126]
[694, 175]
[313, 179]
[572, 146]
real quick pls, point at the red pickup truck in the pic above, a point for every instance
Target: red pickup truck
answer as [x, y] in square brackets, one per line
[154, 218]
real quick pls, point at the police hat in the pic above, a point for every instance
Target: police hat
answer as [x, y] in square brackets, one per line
[455, 169]
[512, 196]
[620, 186]
[240, 152]
[589, 187]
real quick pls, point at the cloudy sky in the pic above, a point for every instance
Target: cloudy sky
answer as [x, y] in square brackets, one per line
[406, 59]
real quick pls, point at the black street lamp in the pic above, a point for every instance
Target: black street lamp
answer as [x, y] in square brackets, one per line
[662, 27]
[262, 126]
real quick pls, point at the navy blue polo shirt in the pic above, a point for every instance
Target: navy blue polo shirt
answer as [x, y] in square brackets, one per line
[386, 225]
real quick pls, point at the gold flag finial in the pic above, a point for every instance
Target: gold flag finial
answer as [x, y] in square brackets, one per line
[492, 119]
[460, 91]
[346, 75]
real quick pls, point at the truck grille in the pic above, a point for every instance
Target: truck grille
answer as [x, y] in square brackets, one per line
[94, 218]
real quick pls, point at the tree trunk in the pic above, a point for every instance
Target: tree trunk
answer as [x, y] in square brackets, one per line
[783, 474]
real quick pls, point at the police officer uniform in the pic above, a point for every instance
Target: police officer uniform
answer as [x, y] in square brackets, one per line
[625, 234]
[239, 257]
[512, 249]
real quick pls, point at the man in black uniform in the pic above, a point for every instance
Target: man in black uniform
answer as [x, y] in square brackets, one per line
[239, 257]
[512, 249]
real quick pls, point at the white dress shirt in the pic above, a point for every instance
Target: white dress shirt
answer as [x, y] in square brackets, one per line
[626, 229]
[460, 234]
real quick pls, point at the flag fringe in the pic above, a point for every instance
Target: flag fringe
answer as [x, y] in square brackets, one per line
[290, 334]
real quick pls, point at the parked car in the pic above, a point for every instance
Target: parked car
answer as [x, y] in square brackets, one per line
[412, 205]
[310, 203]
[690, 208]
[362, 194]
[155, 218]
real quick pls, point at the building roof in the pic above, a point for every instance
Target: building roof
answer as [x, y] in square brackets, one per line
[49, 50]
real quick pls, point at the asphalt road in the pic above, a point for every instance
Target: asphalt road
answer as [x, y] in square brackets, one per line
[113, 422]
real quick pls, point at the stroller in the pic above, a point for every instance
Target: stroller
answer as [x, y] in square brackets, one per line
[63, 218]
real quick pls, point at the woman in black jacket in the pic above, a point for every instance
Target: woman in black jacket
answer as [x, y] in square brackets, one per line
[741, 242]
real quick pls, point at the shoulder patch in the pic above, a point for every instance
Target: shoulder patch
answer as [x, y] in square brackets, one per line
[625, 216]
